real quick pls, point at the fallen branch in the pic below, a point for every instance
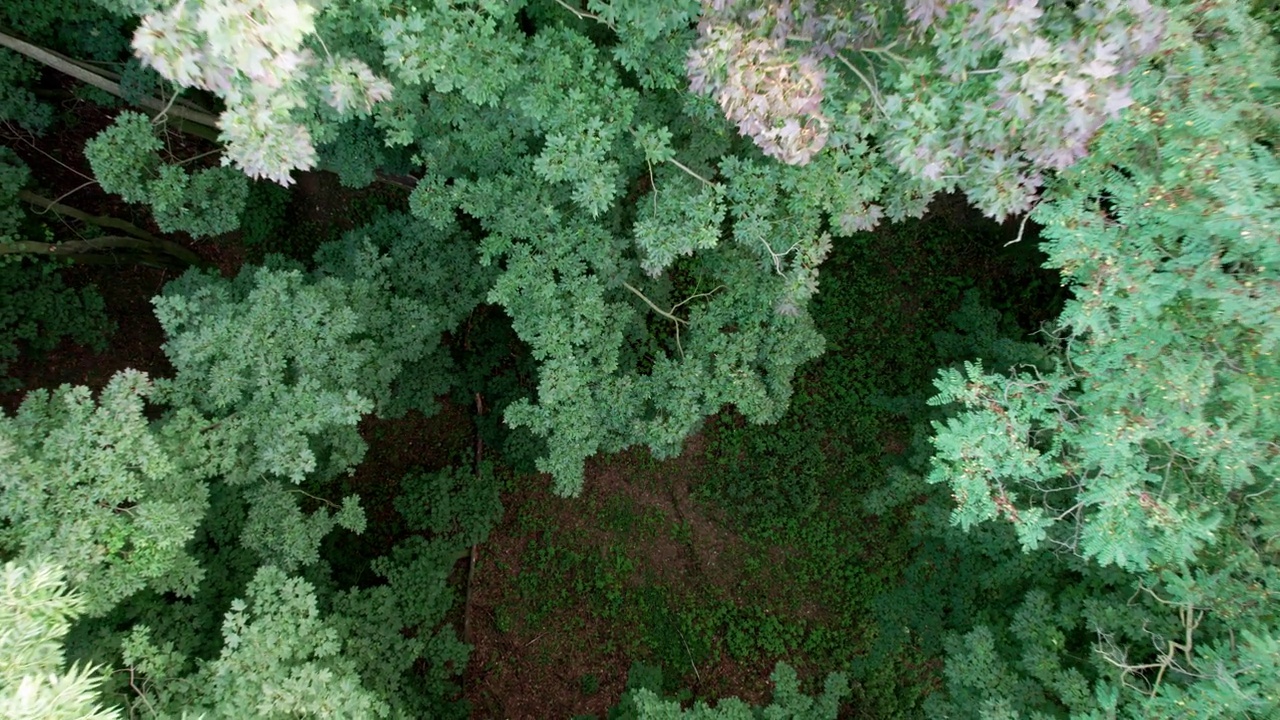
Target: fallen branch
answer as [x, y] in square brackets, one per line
[141, 239]
[100, 220]
[23, 247]
[689, 652]
[471, 565]
[90, 252]
[66, 65]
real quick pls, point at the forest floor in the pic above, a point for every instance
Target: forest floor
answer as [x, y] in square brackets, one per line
[659, 562]
[571, 591]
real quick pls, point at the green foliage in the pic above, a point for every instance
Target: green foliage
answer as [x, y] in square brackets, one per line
[280, 659]
[258, 65]
[36, 610]
[397, 629]
[138, 82]
[356, 153]
[14, 176]
[491, 360]
[18, 103]
[982, 97]
[685, 217]
[788, 702]
[394, 625]
[288, 363]
[1149, 445]
[657, 269]
[91, 486]
[278, 363]
[586, 406]
[452, 502]
[279, 532]
[640, 677]
[422, 282]
[126, 161]
[274, 338]
[532, 134]
[40, 311]
[81, 29]
[264, 213]
[1180, 421]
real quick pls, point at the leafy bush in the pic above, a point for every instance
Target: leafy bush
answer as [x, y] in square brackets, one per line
[40, 311]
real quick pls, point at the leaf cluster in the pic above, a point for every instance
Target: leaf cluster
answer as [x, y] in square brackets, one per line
[126, 161]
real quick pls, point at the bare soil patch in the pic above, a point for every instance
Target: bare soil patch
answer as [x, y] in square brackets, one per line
[523, 670]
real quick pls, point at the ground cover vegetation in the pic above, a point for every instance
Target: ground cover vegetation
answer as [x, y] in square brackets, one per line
[643, 359]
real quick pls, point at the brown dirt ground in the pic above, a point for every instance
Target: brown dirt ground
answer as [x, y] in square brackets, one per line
[397, 447]
[535, 671]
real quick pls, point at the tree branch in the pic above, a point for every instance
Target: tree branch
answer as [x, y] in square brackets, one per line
[100, 220]
[474, 554]
[656, 309]
[685, 168]
[66, 65]
[582, 14]
[85, 252]
[871, 88]
[141, 239]
[75, 247]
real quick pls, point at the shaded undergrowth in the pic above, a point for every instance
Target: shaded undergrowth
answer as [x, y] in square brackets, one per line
[754, 546]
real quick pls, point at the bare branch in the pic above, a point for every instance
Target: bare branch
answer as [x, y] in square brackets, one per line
[583, 14]
[685, 168]
[656, 309]
[62, 63]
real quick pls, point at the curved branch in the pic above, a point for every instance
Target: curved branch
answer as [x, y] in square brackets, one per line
[140, 238]
[656, 309]
[871, 87]
[686, 168]
[87, 252]
[73, 247]
[583, 14]
[99, 220]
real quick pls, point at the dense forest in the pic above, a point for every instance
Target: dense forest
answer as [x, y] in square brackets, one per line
[739, 359]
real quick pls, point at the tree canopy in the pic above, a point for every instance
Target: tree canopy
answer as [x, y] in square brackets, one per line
[647, 191]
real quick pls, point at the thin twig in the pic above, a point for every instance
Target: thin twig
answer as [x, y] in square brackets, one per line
[685, 168]
[141, 694]
[690, 654]
[653, 184]
[875, 95]
[670, 314]
[1022, 225]
[197, 157]
[33, 146]
[691, 298]
[777, 257]
[656, 309]
[330, 503]
[885, 51]
[74, 190]
[582, 14]
[163, 115]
